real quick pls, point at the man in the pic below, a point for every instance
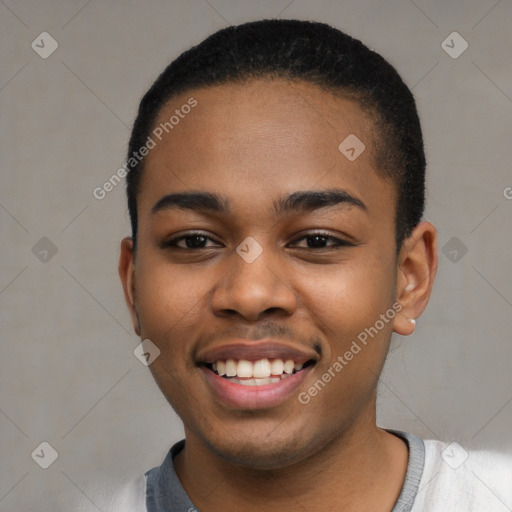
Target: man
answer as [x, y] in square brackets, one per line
[276, 191]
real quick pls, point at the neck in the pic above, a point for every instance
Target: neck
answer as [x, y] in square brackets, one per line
[361, 469]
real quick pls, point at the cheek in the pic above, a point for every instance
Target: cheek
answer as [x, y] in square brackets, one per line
[170, 302]
[346, 305]
[347, 299]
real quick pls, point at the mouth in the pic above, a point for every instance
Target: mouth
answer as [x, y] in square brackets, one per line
[260, 372]
[255, 375]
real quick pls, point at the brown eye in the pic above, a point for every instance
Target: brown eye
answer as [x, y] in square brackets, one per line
[316, 241]
[319, 241]
[191, 241]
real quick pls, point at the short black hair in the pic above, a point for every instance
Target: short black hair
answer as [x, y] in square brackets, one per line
[311, 52]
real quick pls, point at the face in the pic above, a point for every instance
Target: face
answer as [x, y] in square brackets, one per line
[259, 241]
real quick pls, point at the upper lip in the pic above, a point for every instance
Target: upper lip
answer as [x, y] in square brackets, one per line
[255, 350]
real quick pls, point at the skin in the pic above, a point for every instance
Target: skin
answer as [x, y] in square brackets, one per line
[253, 144]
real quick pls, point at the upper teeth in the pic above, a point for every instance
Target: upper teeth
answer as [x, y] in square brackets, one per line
[258, 369]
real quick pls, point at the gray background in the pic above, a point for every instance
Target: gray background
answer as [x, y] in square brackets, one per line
[68, 375]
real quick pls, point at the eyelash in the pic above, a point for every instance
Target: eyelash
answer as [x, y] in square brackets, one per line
[338, 242]
[173, 242]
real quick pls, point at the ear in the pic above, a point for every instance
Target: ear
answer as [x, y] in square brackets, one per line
[127, 275]
[417, 267]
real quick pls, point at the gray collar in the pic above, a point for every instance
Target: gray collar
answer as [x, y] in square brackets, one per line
[164, 492]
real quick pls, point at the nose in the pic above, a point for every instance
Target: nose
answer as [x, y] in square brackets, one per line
[254, 290]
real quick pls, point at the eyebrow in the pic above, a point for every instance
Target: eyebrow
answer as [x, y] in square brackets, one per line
[200, 201]
[310, 200]
[307, 200]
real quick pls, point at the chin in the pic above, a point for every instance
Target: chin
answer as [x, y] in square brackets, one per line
[263, 449]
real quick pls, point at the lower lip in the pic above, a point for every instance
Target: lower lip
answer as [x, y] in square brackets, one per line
[254, 397]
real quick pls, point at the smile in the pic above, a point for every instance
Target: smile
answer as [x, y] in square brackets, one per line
[250, 375]
[260, 372]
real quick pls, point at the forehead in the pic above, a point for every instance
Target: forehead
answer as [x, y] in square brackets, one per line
[261, 138]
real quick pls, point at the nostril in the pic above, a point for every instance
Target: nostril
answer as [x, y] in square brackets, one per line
[272, 310]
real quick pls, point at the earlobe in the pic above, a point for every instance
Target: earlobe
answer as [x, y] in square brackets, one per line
[417, 268]
[127, 275]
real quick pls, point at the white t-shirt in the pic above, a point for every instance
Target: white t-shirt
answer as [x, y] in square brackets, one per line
[454, 480]
[440, 477]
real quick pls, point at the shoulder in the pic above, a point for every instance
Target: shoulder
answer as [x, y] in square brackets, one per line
[455, 479]
[131, 497]
[158, 490]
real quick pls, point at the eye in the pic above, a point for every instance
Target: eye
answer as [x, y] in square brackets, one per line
[191, 241]
[319, 240]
